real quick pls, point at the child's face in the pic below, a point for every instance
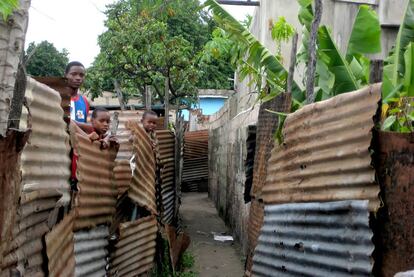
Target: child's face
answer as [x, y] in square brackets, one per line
[101, 122]
[149, 122]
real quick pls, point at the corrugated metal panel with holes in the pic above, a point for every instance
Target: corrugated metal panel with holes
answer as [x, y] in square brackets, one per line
[142, 189]
[166, 146]
[135, 249]
[315, 239]
[60, 248]
[91, 251]
[325, 155]
[95, 202]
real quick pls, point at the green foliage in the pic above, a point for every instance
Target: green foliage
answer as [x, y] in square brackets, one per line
[336, 73]
[44, 59]
[7, 7]
[398, 79]
[282, 32]
[148, 41]
[252, 58]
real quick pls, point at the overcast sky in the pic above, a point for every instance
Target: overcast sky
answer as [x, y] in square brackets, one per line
[76, 24]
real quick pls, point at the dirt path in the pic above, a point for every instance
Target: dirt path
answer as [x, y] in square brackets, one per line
[212, 258]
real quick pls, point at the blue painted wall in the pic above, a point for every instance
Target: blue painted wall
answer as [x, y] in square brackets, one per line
[208, 105]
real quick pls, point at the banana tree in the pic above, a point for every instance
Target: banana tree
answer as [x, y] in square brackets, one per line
[398, 79]
[255, 59]
[338, 73]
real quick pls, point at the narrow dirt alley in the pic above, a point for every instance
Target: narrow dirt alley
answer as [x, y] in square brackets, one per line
[201, 221]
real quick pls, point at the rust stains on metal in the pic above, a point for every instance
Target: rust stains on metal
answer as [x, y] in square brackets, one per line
[315, 239]
[60, 85]
[95, 202]
[325, 155]
[195, 166]
[45, 172]
[256, 216]
[142, 189]
[178, 243]
[45, 159]
[135, 249]
[267, 124]
[195, 144]
[91, 252]
[166, 146]
[122, 175]
[395, 171]
[60, 248]
[10, 181]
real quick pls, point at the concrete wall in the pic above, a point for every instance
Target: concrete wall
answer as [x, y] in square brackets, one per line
[228, 127]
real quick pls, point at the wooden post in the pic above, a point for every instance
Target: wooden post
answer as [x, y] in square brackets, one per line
[166, 103]
[375, 75]
[148, 96]
[310, 74]
[292, 63]
[119, 95]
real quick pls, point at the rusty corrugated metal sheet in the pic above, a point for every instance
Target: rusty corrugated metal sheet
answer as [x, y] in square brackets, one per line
[325, 155]
[10, 148]
[142, 189]
[122, 175]
[166, 146]
[60, 248]
[256, 216]
[60, 85]
[395, 220]
[267, 124]
[91, 251]
[195, 144]
[45, 173]
[315, 239]
[95, 202]
[135, 249]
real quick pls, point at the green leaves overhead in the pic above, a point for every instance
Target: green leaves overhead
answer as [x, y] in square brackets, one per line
[262, 62]
[394, 70]
[7, 7]
[329, 54]
[366, 33]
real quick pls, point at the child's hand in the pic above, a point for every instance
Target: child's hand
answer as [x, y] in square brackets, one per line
[93, 136]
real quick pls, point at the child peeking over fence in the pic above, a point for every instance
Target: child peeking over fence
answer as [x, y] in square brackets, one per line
[97, 131]
[149, 123]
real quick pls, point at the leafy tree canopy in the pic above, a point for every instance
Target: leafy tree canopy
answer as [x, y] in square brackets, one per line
[44, 59]
[148, 41]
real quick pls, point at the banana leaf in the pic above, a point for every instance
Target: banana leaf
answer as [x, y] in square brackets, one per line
[395, 68]
[409, 70]
[345, 80]
[366, 33]
[258, 55]
[305, 18]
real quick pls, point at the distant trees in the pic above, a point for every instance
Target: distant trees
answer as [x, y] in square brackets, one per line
[43, 59]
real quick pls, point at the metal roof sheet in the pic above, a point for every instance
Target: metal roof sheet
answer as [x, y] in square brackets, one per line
[95, 202]
[315, 239]
[60, 248]
[267, 124]
[45, 170]
[122, 175]
[135, 249]
[256, 215]
[142, 189]
[325, 155]
[91, 251]
[166, 146]
[195, 144]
